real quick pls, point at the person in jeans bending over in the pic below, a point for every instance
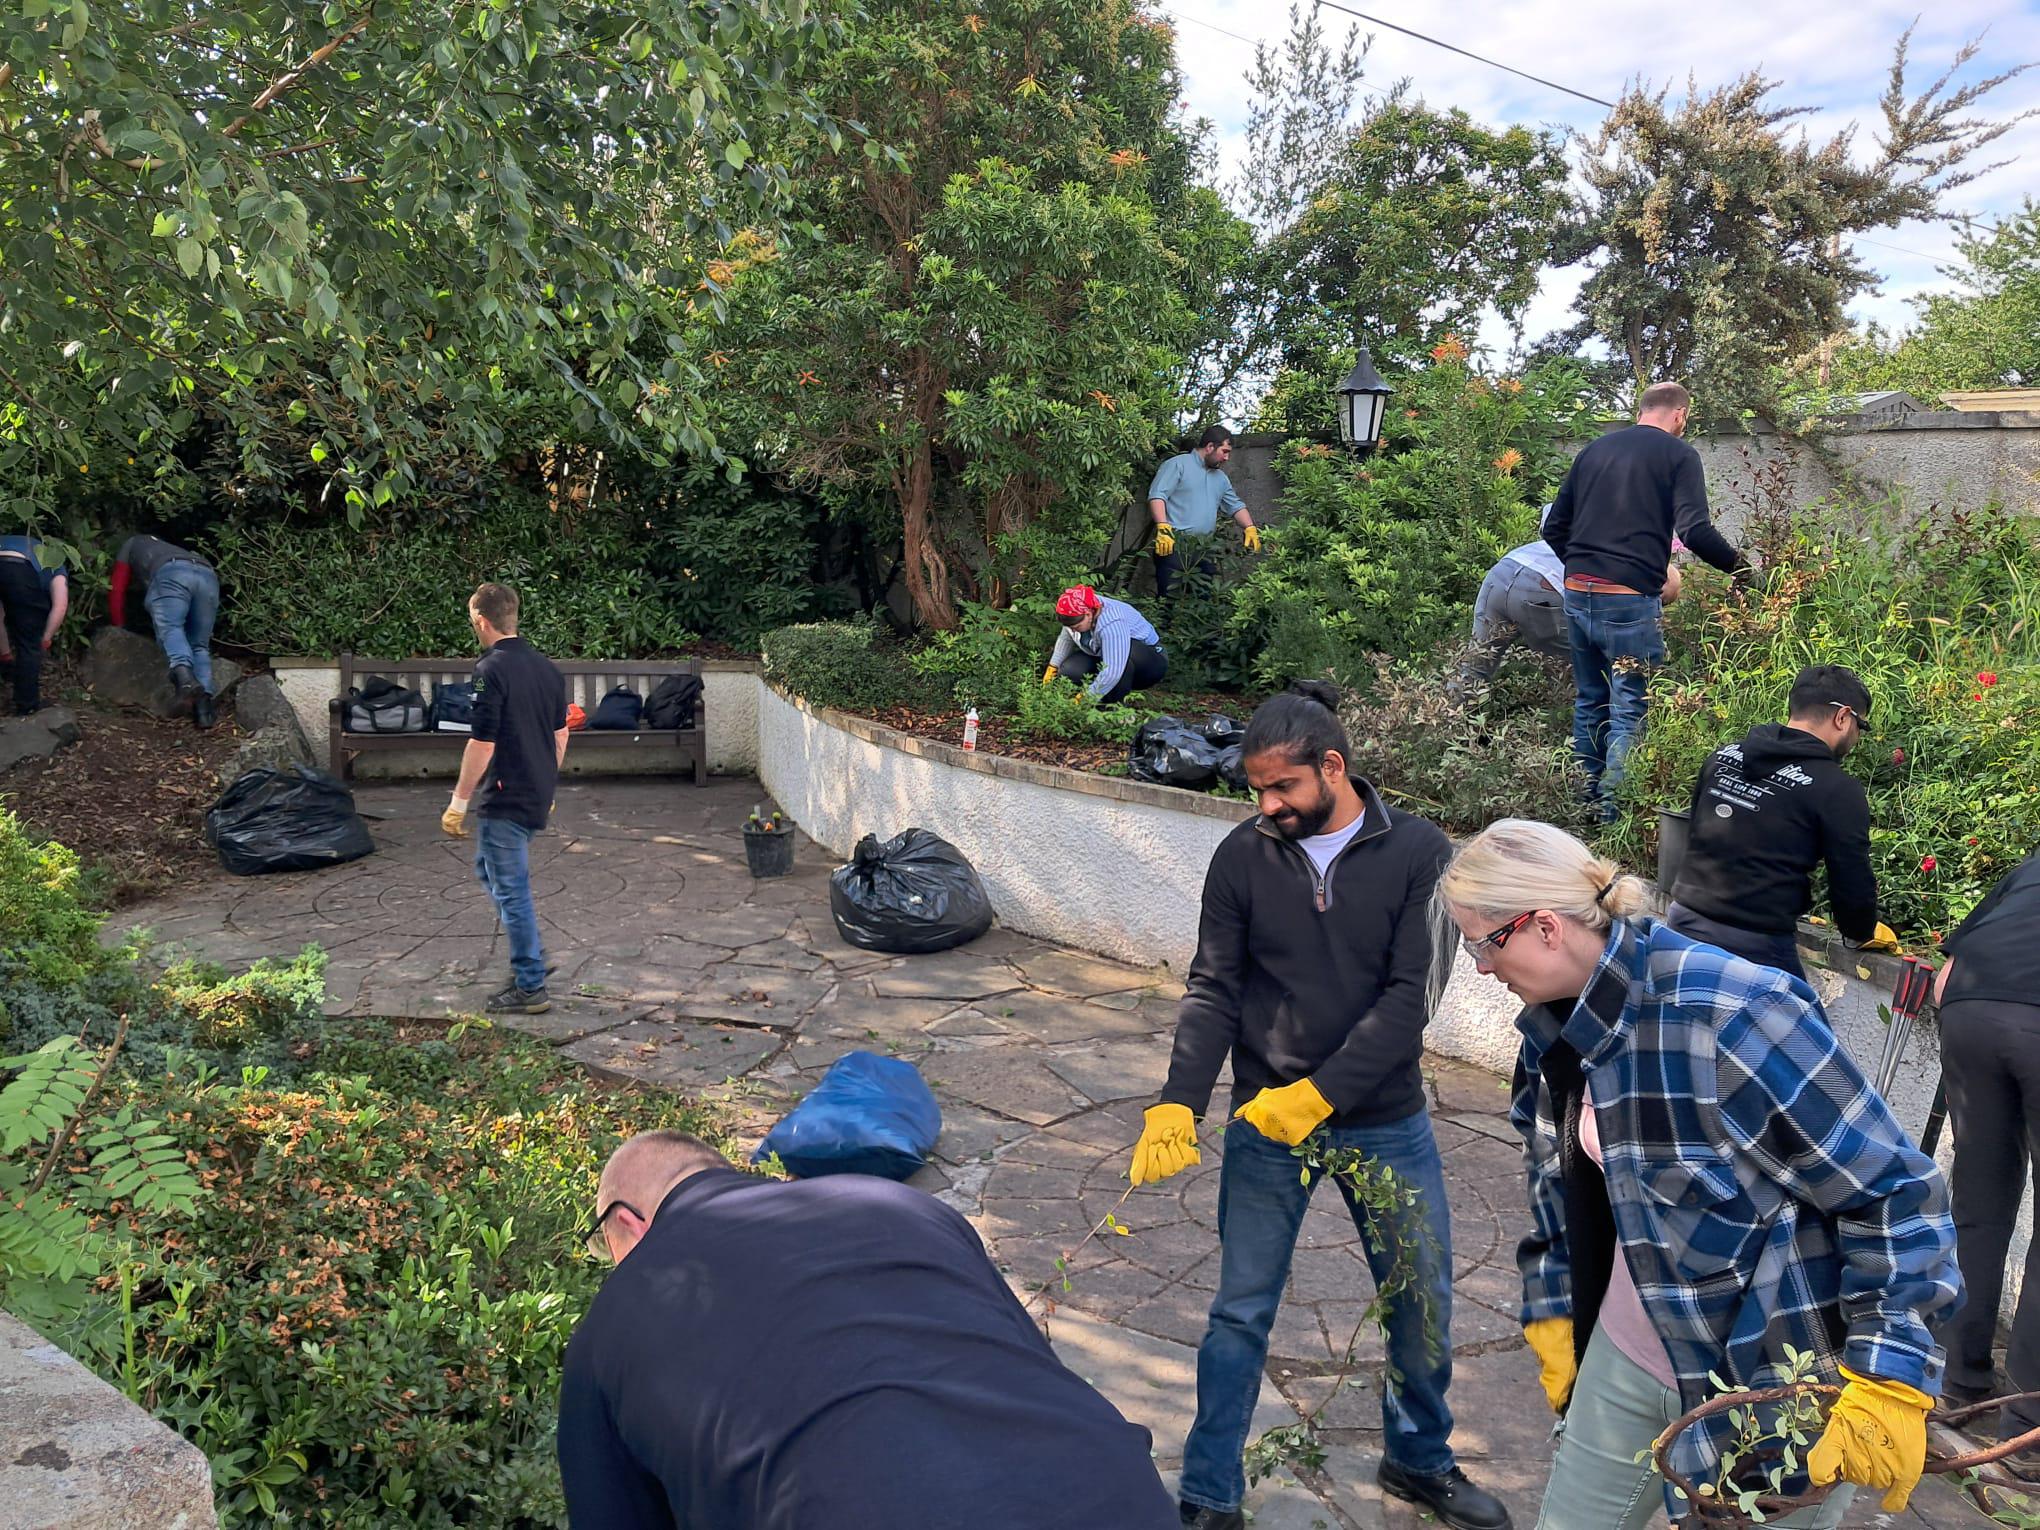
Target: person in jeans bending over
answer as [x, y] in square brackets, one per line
[1712, 1183]
[1625, 497]
[513, 758]
[180, 594]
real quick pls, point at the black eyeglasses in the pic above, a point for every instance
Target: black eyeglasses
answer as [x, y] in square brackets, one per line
[598, 1245]
[1494, 940]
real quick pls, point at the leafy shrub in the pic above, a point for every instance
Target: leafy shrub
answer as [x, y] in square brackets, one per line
[401, 589]
[1061, 709]
[269, 1001]
[851, 666]
[44, 926]
[991, 657]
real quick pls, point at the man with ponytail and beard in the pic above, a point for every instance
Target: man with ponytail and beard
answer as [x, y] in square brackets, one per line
[1316, 972]
[1714, 1190]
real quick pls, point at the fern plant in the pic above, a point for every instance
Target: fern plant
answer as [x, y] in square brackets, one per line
[68, 1169]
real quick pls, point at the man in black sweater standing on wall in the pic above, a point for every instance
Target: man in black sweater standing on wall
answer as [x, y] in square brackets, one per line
[1769, 809]
[1624, 499]
[1314, 971]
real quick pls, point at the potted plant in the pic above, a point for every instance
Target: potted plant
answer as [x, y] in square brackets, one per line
[768, 842]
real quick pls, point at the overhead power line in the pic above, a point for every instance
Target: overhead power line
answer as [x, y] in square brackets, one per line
[1435, 42]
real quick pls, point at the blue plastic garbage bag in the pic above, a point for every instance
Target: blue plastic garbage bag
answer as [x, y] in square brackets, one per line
[868, 1115]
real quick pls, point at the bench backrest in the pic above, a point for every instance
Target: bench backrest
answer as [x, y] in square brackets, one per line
[588, 680]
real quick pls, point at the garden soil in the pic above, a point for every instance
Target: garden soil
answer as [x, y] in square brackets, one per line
[130, 796]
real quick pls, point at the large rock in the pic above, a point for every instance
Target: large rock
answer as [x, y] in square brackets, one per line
[78, 1454]
[276, 747]
[130, 671]
[37, 736]
[261, 707]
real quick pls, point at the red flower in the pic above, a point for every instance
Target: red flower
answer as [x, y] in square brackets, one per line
[1977, 697]
[1898, 756]
[1928, 864]
[1986, 679]
[1972, 839]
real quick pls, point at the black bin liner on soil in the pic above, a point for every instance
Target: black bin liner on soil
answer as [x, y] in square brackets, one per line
[1169, 752]
[286, 820]
[913, 894]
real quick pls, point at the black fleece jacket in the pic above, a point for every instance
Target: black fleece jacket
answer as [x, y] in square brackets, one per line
[1625, 496]
[1299, 976]
[1766, 812]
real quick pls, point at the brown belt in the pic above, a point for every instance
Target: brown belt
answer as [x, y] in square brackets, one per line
[1588, 586]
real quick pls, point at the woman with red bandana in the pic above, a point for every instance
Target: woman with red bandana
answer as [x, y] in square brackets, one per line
[1105, 642]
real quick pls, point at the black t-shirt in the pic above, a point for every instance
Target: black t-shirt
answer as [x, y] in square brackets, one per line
[1997, 948]
[832, 1354]
[520, 706]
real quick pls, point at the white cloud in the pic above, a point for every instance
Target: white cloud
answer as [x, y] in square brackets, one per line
[1830, 55]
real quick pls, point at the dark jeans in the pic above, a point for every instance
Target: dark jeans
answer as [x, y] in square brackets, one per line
[27, 604]
[1514, 606]
[503, 862]
[1145, 666]
[1780, 951]
[1990, 1061]
[1617, 640]
[1261, 1202]
[1166, 570]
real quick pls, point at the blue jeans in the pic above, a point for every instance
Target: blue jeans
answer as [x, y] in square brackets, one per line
[1261, 1202]
[183, 603]
[1617, 640]
[503, 862]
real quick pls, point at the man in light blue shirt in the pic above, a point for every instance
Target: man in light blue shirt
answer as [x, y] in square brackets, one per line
[1187, 493]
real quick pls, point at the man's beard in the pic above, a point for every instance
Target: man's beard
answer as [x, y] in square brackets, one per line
[1308, 823]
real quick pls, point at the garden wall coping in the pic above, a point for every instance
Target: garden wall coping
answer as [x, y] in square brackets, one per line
[75, 1454]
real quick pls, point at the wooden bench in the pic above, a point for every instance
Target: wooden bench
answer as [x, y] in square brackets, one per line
[588, 681]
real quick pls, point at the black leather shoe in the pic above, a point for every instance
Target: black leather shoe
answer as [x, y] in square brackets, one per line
[1195, 1518]
[204, 710]
[184, 681]
[1450, 1496]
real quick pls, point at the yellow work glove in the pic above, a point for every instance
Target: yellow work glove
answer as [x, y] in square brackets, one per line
[1551, 1340]
[1876, 1437]
[1168, 1144]
[1883, 938]
[1288, 1114]
[1048, 675]
[1165, 539]
[454, 820]
[1252, 537]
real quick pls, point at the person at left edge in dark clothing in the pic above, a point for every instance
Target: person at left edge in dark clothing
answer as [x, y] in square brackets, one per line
[822, 1354]
[1105, 645]
[1989, 998]
[513, 760]
[35, 594]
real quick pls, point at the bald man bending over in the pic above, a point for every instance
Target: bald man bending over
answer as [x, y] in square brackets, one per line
[832, 1353]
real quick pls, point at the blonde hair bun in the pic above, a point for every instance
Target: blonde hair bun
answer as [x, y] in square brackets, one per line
[1518, 863]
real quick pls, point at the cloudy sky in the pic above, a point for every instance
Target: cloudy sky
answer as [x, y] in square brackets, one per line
[1832, 55]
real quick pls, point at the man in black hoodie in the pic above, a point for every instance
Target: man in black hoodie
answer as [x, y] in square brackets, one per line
[1315, 971]
[1767, 811]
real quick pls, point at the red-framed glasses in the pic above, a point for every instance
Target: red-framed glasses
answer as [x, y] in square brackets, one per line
[1494, 940]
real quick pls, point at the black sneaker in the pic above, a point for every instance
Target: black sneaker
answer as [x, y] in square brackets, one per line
[519, 1001]
[1195, 1518]
[204, 711]
[185, 683]
[1450, 1496]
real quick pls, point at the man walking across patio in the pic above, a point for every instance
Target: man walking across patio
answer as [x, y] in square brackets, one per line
[1624, 499]
[513, 758]
[1315, 971]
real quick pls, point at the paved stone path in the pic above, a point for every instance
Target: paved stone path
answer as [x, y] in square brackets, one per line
[676, 969]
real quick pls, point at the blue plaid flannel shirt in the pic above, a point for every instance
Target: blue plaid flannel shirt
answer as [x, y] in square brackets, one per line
[1762, 1191]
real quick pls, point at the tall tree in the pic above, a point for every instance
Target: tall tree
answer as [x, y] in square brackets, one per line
[1722, 239]
[368, 216]
[982, 330]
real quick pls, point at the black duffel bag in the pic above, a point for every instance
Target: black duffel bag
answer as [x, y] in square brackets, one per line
[672, 703]
[453, 706]
[286, 820]
[621, 711]
[1169, 752]
[383, 706]
[913, 894]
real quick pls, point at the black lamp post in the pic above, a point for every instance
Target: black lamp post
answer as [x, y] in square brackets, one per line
[1363, 400]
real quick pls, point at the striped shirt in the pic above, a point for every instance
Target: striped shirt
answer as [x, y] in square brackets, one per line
[1762, 1191]
[1109, 641]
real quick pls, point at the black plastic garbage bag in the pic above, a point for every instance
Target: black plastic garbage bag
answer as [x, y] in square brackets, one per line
[1232, 767]
[913, 894]
[868, 1115]
[1169, 752]
[1223, 731]
[286, 820]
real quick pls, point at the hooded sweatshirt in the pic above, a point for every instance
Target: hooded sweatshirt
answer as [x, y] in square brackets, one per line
[1766, 812]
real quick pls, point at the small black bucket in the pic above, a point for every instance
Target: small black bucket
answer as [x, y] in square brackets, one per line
[770, 851]
[1674, 831]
